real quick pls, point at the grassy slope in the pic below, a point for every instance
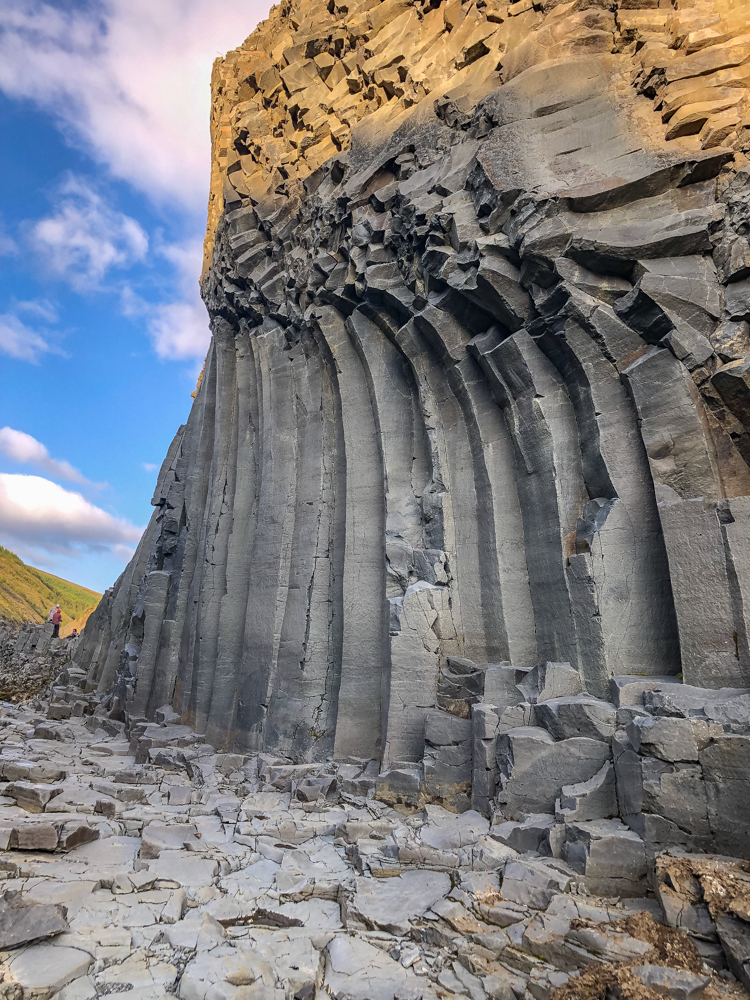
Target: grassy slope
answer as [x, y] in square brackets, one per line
[27, 594]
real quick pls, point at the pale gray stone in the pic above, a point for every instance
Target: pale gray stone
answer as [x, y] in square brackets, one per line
[675, 983]
[589, 800]
[627, 690]
[551, 680]
[610, 856]
[390, 904]
[46, 967]
[533, 768]
[534, 883]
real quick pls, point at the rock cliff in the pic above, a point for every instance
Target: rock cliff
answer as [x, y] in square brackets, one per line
[477, 399]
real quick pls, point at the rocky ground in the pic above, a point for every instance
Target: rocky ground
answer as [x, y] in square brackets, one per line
[29, 659]
[153, 865]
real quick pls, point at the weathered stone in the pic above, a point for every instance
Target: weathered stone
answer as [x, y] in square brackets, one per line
[47, 968]
[444, 418]
[533, 883]
[356, 969]
[34, 837]
[448, 759]
[735, 939]
[389, 904]
[30, 796]
[484, 724]
[157, 837]
[610, 856]
[670, 739]
[723, 763]
[589, 800]
[22, 924]
[610, 946]
[675, 983]
[185, 869]
[626, 691]
[533, 768]
[446, 831]
[551, 680]
[531, 834]
[468, 456]
[579, 715]
[400, 786]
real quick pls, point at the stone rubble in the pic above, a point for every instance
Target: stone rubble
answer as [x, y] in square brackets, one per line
[146, 862]
[29, 659]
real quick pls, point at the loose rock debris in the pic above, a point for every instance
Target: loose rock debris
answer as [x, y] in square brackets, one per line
[140, 877]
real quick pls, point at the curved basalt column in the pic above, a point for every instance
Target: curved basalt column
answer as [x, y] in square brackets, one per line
[479, 286]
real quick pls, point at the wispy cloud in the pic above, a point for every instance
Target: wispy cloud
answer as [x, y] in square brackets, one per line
[38, 515]
[8, 245]
[128, 79]
[84, 238]
[21, 341]
[41, 308]
[179, 329]
[150, 467]
[26, 450]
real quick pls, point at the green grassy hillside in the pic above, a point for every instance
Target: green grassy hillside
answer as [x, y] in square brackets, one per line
[27, 594]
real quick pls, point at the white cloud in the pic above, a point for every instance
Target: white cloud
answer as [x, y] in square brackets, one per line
[19, 341]
[179, 329]
[128, 79]
[84, 237]
[42, 308]
[7, 243]
[26, 450]
[150, 467]
[37, 514]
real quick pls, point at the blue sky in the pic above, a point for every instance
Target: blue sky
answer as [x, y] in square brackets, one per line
[104, 164]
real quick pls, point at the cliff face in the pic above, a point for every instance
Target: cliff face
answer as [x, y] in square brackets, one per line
[479, 388]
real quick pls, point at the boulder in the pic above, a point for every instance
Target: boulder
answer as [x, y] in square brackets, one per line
[535, 883]
[31, 796]
[533, 768]
[611, 857]
[579, 715]
[674, 983]
[530, 834]
[589, 800]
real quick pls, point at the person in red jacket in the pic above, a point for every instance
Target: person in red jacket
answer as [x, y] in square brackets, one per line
[56, 619]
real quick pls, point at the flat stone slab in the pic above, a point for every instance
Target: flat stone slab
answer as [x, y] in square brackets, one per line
[389, 904]
[21, 924]
[356, 970]
[48, 967]
[187, 869]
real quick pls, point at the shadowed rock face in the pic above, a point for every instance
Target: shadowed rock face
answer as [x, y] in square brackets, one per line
[479, 283]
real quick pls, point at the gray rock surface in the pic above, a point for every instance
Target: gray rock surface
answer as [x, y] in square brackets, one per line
[240, 884]
[389, 701]
[23, 924]
[473, 421]
[533, 768]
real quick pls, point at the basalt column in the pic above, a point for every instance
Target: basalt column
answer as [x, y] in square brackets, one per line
[478, 278]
